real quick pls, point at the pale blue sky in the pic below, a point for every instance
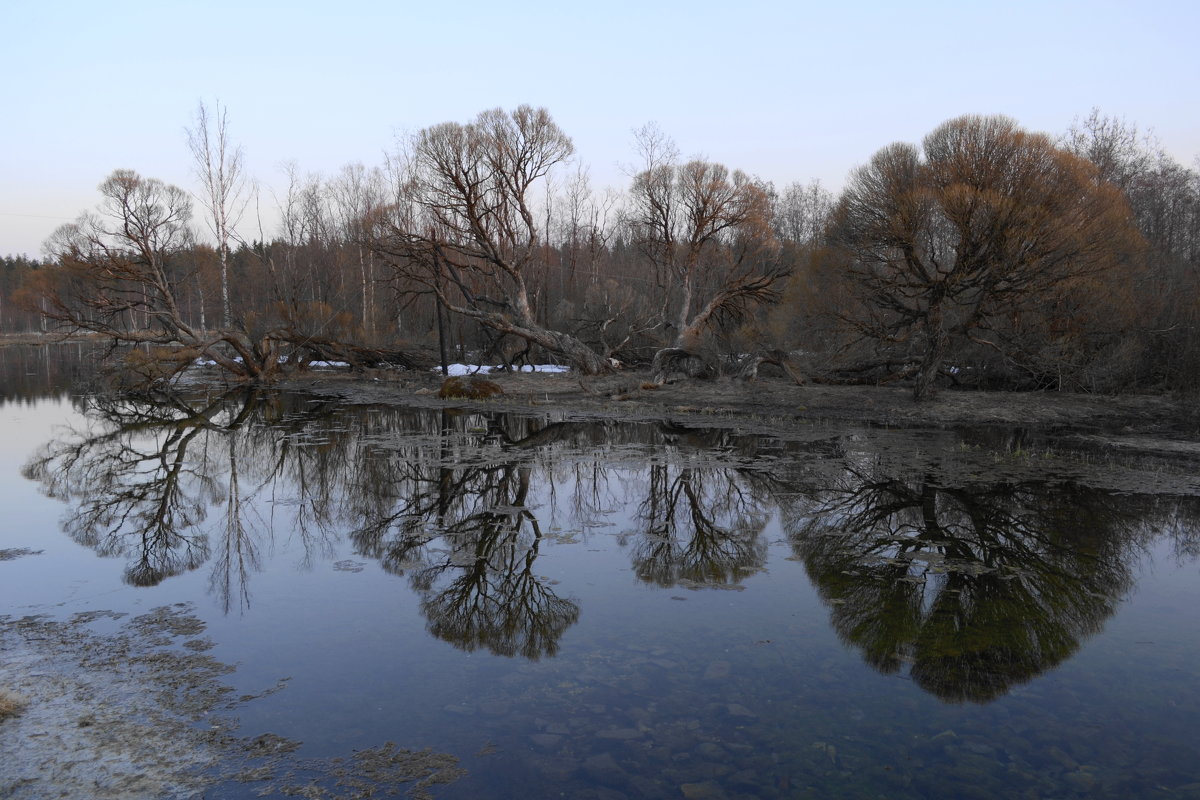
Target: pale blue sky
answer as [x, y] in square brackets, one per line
[785, 91]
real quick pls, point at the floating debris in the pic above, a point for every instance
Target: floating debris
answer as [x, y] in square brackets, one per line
[18, 552]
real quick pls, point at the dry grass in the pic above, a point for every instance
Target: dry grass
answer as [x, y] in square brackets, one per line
[11, 704]
[470, 388]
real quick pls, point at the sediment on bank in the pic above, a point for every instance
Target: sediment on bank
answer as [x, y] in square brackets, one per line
[775, 405]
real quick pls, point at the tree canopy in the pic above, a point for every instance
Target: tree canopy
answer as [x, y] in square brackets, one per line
[986, 256]
[981, 223]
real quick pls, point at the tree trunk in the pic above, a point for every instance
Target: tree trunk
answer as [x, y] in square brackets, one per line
[226, 310]
[684, 335]
[935, 352]
[200, 295]
[441, 326]
[582, 357]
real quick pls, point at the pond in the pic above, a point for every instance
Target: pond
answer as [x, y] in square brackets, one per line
[243, 594]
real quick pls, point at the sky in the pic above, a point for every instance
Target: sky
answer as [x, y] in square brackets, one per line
[785, 91]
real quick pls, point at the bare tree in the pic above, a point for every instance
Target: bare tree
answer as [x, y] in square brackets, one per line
[951, 241]
[465, 228]
[218, 166]
[802, 213]
[1120, 153]
[1165, 200]
[707, 232]
[357, 192]
[121, 272]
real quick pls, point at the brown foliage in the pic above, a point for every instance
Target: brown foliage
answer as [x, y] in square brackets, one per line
[465, 228]
[948, 244]
[470, 387]
[11, 705]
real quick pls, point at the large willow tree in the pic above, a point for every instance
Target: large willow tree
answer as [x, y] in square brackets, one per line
[951, 240]
[465, 228]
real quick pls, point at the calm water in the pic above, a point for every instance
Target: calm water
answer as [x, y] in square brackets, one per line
[604, 610]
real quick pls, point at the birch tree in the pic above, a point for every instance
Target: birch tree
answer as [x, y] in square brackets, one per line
[218, 166]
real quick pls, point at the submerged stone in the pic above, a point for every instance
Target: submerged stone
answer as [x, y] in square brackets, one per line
[603, 768]
[620, 733]
[706, 790]
[718, 670]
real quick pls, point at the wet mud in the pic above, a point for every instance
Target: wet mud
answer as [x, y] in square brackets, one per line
[112, 707]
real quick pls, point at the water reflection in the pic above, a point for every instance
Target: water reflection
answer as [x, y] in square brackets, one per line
[970, 586]
[700, 526]
[470, 543]
[48, 371]
[975, 587]
[158, 480]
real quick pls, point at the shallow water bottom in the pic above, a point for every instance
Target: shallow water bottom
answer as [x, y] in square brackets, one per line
[298, 598]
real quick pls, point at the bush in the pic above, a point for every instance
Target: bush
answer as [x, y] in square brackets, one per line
[470, 388]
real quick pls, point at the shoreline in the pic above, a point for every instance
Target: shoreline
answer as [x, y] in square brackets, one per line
[1141, 423]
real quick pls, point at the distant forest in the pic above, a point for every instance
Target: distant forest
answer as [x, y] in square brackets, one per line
[984, 256]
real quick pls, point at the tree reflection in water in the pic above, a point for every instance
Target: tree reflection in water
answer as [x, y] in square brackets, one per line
[171, 484]
[157, 479]
[456, 521]
[494, 599]
[700, 525]
[465, 535]
[977, 588]
[131, 483]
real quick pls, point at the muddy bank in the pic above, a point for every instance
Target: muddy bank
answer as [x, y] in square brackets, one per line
[778, 406]
[104, 706]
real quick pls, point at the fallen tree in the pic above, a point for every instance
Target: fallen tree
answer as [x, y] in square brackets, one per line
[117, 272]
[463, 227]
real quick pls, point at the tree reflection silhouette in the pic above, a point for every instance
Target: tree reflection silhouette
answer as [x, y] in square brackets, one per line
[698, 525]
[470, 543]
[130, 482]
[978, 588]
[442, 497]
[496, 600]
[973, 587]
[143, 477]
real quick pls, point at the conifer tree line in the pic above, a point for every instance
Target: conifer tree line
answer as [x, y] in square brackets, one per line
[983, 256]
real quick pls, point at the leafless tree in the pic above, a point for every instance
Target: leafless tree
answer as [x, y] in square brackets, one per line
[356, 193]
[802, 213]
[1121, 155]
[707, 232]
[120, 271]
[218, 166]
[465, 227]
[950, 240]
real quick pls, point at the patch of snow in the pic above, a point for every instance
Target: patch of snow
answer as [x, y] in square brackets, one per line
[206, 362]
[483, 369]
